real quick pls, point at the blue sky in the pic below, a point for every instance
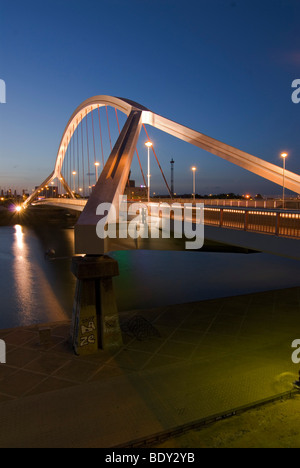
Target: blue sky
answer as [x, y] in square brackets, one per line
[222, 67]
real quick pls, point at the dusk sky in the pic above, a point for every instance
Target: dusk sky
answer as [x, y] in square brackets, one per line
[222, 67]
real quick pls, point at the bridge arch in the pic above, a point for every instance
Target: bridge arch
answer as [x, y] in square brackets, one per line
[123, 105]
[245, 160]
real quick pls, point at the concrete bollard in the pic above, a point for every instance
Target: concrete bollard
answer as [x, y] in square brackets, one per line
[95, 320]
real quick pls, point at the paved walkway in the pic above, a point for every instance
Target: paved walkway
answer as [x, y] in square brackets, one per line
[178, 364]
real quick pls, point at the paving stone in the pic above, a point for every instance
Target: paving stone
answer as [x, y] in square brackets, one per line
[210, 357]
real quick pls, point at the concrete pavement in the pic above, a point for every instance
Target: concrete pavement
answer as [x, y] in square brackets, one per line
[177, 364]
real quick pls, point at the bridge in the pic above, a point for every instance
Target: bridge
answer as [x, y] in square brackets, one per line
[273, 231]
[115, 172]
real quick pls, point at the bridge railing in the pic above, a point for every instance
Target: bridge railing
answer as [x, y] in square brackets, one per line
[279, 222]
[276, 222]
[271, 204]
[62, 201]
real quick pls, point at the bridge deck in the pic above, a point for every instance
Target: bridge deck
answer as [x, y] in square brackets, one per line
[273, 231]
[269, 221]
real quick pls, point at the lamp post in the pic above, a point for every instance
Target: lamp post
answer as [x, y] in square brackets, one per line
[284, 156]
[194, 182]
[149, 145]
[97, 164]
[74, 186]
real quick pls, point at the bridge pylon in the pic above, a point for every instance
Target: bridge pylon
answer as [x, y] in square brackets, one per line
[95, 320]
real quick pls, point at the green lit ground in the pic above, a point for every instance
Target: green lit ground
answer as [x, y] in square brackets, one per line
[271, 426]
[178, 364]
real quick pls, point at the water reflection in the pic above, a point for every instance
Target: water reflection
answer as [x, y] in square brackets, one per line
[34, 289]
[33, 297]
[19, 236]
[23, 276]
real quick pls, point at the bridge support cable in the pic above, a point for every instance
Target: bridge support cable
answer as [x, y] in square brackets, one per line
[95, 158]
[108, 128]
[78, 164]
[154, 152]
[73, 185]
[64, 168]
[82, 155]
[67, 172]
[69, 161]
[88, 151]
[71, 168]
[143, 175]
[117, 120]
[69, 176]
[101, 142]
[74, 163]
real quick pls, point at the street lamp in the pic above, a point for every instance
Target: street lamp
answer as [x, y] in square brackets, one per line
[194, 182]
[149, 145]
[97, 164]
[284, 156]
[74, 174]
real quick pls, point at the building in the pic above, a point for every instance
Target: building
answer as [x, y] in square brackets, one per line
[135, 193]
[49, 192]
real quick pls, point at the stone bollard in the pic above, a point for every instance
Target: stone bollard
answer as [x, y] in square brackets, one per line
[95, 321]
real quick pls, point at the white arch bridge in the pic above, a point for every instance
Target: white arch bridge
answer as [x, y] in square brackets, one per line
[115, 173]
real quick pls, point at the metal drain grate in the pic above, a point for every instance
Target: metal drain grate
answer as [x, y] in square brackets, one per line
[139, 328]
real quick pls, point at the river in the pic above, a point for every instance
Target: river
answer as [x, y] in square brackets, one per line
[36, 289]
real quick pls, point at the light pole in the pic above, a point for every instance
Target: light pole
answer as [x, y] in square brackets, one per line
[284, 156]
[97, 164]
[194, 182]
[149, 145]
[74, 174]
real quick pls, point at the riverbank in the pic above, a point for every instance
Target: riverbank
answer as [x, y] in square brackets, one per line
[177, 364]
[7, 217]
[35, 215]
